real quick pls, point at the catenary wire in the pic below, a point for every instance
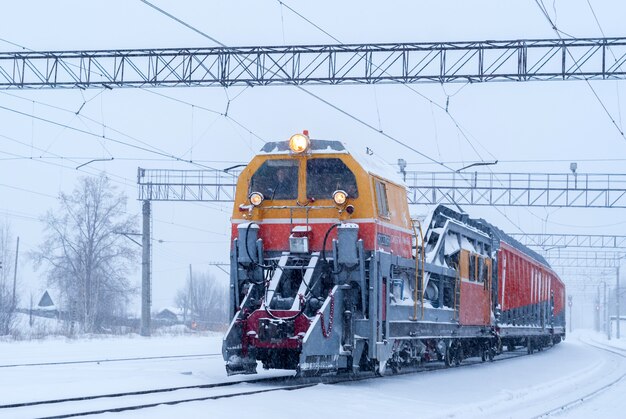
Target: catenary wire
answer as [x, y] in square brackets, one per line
[445, 109]
[558, 32]
[388, 136]
[455, 122]
[300, 87]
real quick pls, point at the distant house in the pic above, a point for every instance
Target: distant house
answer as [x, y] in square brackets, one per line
[168, 315]
[45, 301]
[46, 306]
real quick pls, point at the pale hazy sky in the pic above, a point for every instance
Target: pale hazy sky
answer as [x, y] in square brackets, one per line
[507, 121]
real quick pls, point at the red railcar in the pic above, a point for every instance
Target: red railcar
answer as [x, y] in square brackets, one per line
[529, 293]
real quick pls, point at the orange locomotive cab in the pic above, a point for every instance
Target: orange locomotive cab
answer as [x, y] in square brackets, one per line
[304, 189]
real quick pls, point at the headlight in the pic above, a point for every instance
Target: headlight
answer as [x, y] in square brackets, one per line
[340, 197]
[256, 198]
[299, 143]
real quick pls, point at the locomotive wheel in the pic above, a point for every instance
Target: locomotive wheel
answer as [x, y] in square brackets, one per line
[458, 355]
[395, 367]
[448, 356]
[495, 347]
[484, 352]
[454, 354]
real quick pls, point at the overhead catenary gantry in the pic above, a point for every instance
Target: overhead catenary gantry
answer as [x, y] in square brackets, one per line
[584, 258]
[438, 62]
[586, 272]
[493, 189]
[558, 241]
[518, 189]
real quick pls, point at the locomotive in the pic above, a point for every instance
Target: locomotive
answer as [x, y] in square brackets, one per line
[329, 272]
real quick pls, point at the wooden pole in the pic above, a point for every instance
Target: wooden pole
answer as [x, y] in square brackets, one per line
[17, 251]
[145, 271]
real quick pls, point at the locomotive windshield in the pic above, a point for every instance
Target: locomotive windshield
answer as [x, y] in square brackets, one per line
[276, 179]
[325, 176]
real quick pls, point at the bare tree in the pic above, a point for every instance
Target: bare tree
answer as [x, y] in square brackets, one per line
[86, 260]
[183, 302]
[8, 302]
[205, 299]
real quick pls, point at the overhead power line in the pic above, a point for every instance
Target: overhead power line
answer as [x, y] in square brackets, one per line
[82, 131]
[616, 66]
[377, 67]
[248, 60]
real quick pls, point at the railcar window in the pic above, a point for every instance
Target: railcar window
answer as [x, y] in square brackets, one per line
[481, 269]
[381, 196]
[472, 268]
[325, 176]
[276, 179]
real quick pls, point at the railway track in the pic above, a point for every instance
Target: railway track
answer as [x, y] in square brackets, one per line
[107, 360]
[127, 401]
[119, 402]
[592, 394]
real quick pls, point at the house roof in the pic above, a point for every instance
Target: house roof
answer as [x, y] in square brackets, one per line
[46, 301]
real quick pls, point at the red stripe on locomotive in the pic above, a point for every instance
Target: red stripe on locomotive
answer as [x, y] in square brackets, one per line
[375, 236]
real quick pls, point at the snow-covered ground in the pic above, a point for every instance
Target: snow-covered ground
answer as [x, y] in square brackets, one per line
[521, 387]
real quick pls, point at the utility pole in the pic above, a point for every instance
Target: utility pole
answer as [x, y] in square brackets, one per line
[606, 315]
[617, 302]
[17, 251]
[596, 310]
[145, 271]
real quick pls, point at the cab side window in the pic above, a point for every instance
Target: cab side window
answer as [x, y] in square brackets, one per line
[381, 198]
[325, 176]
[276, 179]
[478, 268]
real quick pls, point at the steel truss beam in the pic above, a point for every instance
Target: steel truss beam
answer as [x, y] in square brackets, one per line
[501, 189]
[595, 272]
[570, 240]
[517, 60]
[587, 278]
[583, 254]
[518, 189]
[584, 258]
[585, 263]
[186, 185]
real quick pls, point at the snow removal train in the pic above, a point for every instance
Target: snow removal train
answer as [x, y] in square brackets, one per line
[329, 273]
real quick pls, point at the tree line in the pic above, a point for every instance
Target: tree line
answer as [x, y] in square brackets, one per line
[89, 262]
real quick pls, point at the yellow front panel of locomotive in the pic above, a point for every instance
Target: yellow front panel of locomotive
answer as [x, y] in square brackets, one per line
[303, 206]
